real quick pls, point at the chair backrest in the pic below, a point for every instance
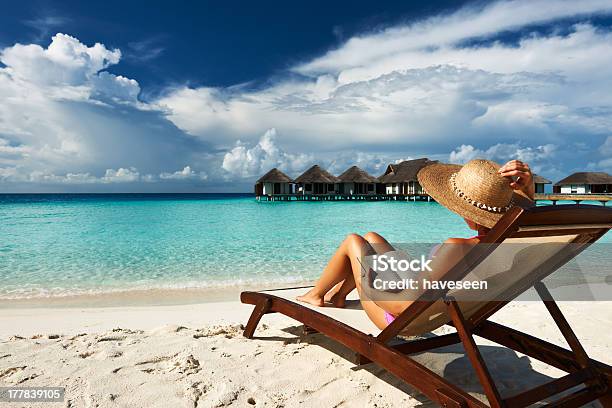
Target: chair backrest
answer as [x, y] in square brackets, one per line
[523, 248]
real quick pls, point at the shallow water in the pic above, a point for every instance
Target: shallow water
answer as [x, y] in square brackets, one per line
[53, 245]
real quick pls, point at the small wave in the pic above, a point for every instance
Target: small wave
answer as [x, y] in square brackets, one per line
[49, 293]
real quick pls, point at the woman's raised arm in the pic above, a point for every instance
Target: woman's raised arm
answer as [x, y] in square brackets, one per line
[522, 177]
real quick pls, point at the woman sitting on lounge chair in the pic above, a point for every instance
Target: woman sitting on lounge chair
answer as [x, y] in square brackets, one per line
[480, 191]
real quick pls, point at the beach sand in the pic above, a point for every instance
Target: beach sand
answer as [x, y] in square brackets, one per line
[194, 355]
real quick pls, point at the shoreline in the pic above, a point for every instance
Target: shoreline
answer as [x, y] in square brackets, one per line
[570, 292]
[143, 297]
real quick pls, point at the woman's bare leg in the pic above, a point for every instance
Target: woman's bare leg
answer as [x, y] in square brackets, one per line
[346, 263]
[337, 270]
[374, 312]
[337, 295]
[378, 242]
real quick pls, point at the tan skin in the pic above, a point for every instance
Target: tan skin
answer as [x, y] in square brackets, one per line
[343, 272]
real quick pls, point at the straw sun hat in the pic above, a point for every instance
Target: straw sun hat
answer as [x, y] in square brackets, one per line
[475, 191]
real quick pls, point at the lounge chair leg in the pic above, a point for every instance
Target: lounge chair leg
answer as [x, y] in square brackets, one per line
[570, 337]
[261, 309]
[471, 349]
[581, 356]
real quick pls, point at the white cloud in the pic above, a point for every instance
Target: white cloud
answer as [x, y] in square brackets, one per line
[121, 175]
[243, 161]
[412, 90]
[68, 69]
[464, 154]
[447, 31]
[417, 89]
[543, 159]
[40, 87]
[475, 93]
[116, 87]
[110, 176]
[64, 118]
[69, 178]
[186, 174]
[373, 163]
[502, 152]
[247, 162]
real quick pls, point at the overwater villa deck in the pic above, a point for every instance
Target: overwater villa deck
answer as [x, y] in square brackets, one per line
[554, 198]
[577, 198]
[344, 197]
[399, 183]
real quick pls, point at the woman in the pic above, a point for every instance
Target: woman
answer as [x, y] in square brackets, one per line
[480, 192]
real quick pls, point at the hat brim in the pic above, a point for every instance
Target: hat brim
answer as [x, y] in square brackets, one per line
[435, 179]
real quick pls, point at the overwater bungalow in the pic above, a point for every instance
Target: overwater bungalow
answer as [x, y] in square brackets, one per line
[316, 180]
[585, 183]
[274, 182]
[401, 178]
[540, 182]
[357, 181]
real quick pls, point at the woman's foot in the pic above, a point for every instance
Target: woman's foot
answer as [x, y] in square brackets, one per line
[332, 292]
[335, 295]
[311, 298]
[337, 300]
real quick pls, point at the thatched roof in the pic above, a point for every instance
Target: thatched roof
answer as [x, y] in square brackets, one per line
[540, 180]
[585, 177]
[316, 174]
[405, 171]
[275, 176]
[356, 175]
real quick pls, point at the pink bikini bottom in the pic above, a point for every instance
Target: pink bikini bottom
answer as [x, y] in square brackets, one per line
[389, 317]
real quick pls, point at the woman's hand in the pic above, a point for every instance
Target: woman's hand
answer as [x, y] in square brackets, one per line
[521, 176]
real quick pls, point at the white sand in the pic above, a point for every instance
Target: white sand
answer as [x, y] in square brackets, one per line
[195, 355]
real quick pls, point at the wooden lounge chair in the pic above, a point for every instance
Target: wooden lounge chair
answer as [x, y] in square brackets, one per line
[587, 380]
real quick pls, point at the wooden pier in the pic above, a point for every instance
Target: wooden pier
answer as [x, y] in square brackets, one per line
[554, 198]
[577, 198]
[344, 197]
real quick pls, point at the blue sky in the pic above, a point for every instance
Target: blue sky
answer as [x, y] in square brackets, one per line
[205, 43]
[205, 97]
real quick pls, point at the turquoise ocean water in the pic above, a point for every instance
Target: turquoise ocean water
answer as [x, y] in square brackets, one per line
[56, 245]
